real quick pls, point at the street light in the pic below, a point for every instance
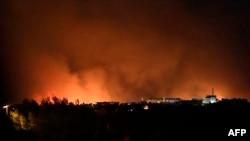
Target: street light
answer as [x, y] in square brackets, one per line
[6, 107]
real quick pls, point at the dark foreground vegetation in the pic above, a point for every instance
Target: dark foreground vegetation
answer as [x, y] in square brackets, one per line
[59, 120]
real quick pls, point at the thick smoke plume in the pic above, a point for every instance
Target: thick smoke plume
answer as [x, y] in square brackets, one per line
[123, 50]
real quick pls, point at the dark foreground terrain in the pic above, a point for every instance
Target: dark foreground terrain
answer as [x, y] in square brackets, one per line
[63, 121]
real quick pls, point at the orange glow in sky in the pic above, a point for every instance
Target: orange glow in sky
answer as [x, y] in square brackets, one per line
[92, 90]
[119, 51]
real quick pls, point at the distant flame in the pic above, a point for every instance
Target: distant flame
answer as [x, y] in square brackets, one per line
[91, 91]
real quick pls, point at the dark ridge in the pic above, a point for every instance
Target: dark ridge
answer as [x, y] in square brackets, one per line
[112, 121]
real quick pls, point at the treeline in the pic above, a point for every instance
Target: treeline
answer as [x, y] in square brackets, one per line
[58, 119]
[55, 119]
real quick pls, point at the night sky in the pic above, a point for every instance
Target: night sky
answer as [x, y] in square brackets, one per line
[123, 50]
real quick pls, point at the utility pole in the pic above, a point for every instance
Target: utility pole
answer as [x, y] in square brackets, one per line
[213, 91]
[6, 107]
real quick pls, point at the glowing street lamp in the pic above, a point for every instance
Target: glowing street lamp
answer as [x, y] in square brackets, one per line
[6, 107]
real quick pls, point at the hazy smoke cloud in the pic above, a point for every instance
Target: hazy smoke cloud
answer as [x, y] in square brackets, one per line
[123, 50]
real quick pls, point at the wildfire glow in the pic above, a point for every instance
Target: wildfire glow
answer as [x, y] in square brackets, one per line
[90, 91]
[93, 51]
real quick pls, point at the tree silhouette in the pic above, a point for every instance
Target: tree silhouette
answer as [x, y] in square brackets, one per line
[46, 101]
[56, 100]
[77, 102]
[64, 101]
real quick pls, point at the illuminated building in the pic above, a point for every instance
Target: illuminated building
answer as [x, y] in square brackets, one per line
[163, 100]
[172, 100]
[155, 100]
[210, 99]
